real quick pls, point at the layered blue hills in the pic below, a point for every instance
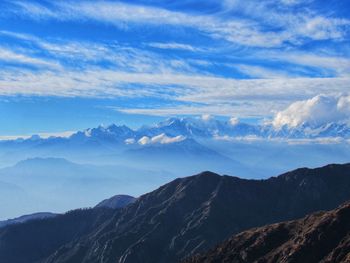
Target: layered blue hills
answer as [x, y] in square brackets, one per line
[95, 163]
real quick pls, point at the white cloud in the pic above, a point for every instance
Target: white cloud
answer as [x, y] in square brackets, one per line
[340, 65]
[118, 14]
[212, 89]
[343, 104]
[295, 27]
[35, 10]
[262, 72]
[130, 141]
[215, 109]
[183, 87]
[9, 55]
[160, 139]
[248, 138]
[217, 95]
[64, 134]
[320, 28]
[83, 54]
[319, 110]
[234, 121]
[135, 67]
[144, 140]
[138, 73]
[292, 2]
[44, 135]
[255, 139]
[173, 45]
[206, 117]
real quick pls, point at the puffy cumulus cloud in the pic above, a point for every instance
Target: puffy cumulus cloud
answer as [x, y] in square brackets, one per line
[163, 139]
[160, 139]
[316, 111]
[144, 140]
[234, 121]
[206, 117]
[344, 104]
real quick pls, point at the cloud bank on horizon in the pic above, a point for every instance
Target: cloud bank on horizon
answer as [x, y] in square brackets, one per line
[155, 58]
[316, 111]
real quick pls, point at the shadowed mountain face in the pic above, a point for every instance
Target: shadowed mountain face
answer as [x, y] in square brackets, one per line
[319, 238]
[192, 214]
[37, 239]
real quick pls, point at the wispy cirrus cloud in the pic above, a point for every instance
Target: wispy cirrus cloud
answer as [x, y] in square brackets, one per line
[122, 57]
[260, 72]
[74, 55]
[173, 45]
[121, 15]
[243, 109]
[241, 30]
[183, 87]
[9, 55]
[135, 73]
[331, 64]
[252, 64]
[296, 26]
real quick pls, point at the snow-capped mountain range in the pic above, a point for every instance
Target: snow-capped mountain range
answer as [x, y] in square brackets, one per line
[181, 140]
[178, 129]
[199, 128]
[133, 161]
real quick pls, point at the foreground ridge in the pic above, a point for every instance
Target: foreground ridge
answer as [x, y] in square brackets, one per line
[320, 237]
[184, 217]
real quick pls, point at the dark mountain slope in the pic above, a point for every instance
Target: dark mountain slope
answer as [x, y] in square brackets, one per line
[37, 239]
[318, 238]
[192, 214]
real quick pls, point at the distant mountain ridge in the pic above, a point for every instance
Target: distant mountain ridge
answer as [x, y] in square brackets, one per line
[191, 145]
[198, 128]
[26, 218]
[190, 215]
[58, 185]
[117, 201]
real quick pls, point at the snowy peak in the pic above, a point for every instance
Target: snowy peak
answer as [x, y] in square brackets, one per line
[111, 132]
[305, 130]
[177, 129]
[199, 127]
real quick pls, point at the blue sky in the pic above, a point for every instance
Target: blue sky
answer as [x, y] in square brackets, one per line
[68, 65]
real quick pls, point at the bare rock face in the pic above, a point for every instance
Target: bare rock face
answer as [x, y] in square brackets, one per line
[320, 237]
